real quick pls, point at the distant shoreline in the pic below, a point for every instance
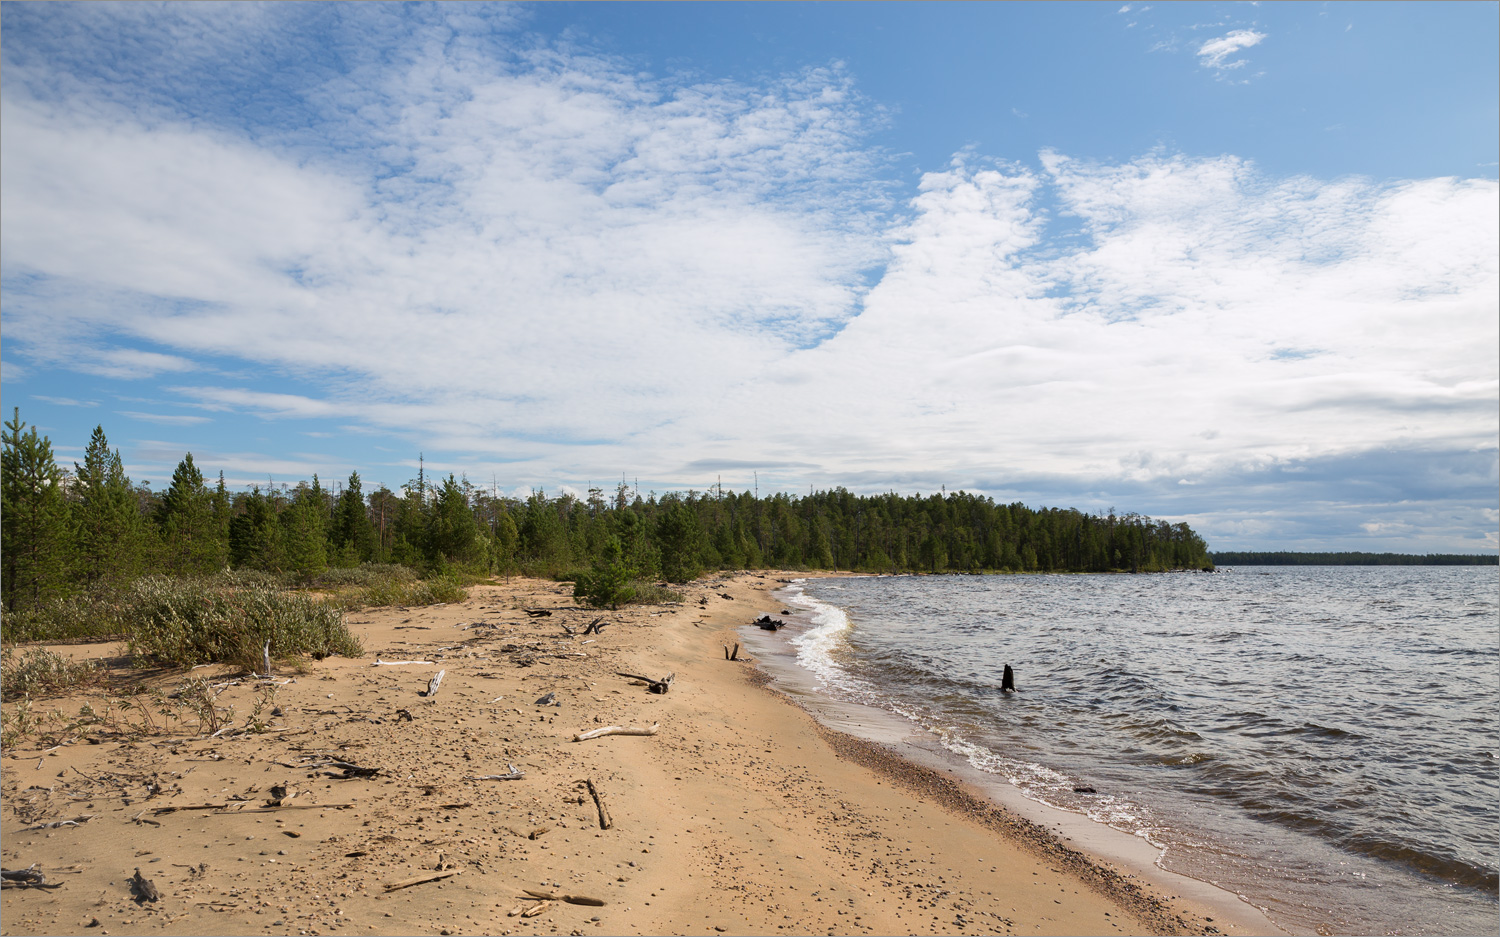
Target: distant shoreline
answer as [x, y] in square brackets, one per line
[1289, 558]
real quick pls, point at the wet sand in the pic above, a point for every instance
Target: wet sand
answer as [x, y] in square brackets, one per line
[742, 814]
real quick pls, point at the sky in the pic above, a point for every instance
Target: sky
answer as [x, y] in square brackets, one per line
[1224, 263]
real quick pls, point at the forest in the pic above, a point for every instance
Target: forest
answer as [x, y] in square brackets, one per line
[1348, 558]
[67, 530]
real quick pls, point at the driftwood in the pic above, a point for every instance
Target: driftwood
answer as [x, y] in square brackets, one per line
[434, 683]
[28, 877]
[767, 623]
[1008, 680]
[145, 890]
[566, 628]
[605, 822]
[421, 880]
[58, 824]
[570, 899]
[545, 700]
[265, 658]
[617, 730]
[596, 626]
[398, 663]
[726, 596]
[225, 810]
[539, 832]
[536, 909]
[654, 686]
[514, 775]
[732, 655]
[539, 612]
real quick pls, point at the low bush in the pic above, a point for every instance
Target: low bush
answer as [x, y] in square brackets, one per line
[88, 616]
[40, 672]
[186, 622]
[364, 576]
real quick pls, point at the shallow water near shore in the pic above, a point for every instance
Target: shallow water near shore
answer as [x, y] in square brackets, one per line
[1320, 741]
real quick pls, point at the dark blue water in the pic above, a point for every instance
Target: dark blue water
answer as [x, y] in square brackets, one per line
[1322, 741]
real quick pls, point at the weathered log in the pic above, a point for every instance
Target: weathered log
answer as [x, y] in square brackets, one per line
[605, 821]
[421, 880]
[570, 899]
[617, 730]
[434, 683]
[652, 685]
[596, 626]
[59, 824]
[536, 909]
[28, 877]
[767, 623]
[398, 663]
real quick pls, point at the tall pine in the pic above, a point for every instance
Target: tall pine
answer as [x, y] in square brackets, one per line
[33, 518]
[107, 527]
[190, 537]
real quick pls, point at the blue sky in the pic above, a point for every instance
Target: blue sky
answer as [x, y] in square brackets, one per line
[1234, 264]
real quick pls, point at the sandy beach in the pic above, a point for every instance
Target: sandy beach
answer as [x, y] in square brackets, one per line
[741, 815]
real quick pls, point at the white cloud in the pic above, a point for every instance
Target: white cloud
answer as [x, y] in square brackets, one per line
[1216, 53]
[170, 419]
[561, 270]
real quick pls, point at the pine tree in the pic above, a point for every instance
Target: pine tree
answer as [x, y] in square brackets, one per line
[352, 536]
[191, 544]
[108, 533]
[34, 531]
[451, 531]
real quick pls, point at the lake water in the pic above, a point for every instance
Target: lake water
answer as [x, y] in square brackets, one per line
[1321, 741]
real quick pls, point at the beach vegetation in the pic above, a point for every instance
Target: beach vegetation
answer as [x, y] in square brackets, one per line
[39, 672]
[75, 546]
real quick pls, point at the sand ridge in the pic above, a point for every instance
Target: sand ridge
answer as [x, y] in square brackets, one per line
[742, 815]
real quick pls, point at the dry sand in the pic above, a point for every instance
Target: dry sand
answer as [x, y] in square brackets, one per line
[742, 815]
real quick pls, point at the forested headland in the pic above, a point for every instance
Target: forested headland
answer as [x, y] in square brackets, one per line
[1287, 558]
[67, 530]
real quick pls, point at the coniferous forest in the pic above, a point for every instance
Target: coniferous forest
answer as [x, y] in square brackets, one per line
[68, 530]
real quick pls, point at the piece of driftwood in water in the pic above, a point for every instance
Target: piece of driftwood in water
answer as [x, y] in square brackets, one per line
[596, 626]
[767, 623]
[434, 683]
[1008, 680]
[732, 655]
[617, 730]
[570, 899]
[652, 685]
[539, 612]
[144, 889]
[420, 880]
[605, 821]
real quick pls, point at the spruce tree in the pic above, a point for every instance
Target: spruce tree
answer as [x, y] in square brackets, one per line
[108, 533]
[34, 531]
[191, 544]
[352, 536]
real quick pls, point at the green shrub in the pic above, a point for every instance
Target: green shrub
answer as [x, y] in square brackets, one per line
[653, 593]
[40, 672]
[88, 616]
[605, 586]
[185, 622]
[363, 576]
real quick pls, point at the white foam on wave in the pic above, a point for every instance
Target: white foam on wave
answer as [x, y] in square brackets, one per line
[816, 646]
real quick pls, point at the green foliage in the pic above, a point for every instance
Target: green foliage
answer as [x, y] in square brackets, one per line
[679, 537]
[352, 534]
[34, 527]
[187, 622]
[606, 586]
[90, 615]
[190, 533]
[109, 534]
[40, 672]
